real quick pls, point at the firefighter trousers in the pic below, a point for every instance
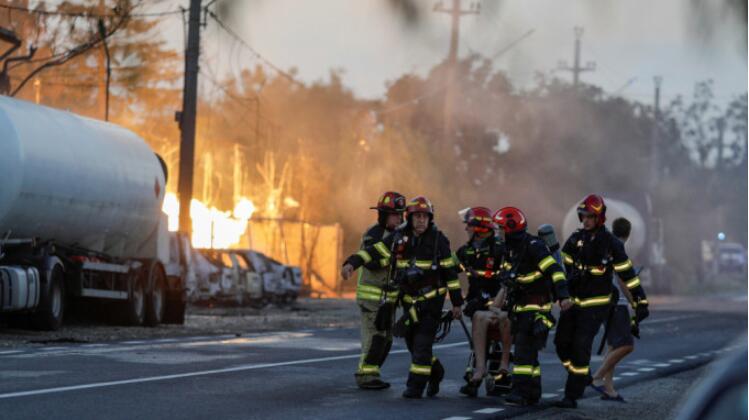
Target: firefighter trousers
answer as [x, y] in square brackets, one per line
[375, 346]
[419, 340]
[574, 342]
[526, 370]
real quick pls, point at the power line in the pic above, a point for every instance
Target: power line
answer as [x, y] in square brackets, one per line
[242, 100]
[416, 100]
[252, 50]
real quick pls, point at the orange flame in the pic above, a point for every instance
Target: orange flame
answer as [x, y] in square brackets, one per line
[211, 227]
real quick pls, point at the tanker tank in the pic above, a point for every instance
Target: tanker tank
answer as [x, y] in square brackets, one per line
[78, 181]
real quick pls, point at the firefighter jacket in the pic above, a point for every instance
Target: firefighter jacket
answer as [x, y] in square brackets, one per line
[533, 273]
[373, 284]
[482, 266]
[591, 258]
[423, 265]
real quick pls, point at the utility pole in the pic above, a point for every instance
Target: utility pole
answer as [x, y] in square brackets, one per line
[654, 149]
[656, 224]
[103, 34]
[186, 119]
[576, 69]
[452, 59]
[37, 91]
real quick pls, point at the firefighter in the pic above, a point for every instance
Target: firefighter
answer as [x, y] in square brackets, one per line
[425, 272]
[534, 280]
[591, 256]
[373, 290]
[480, 258]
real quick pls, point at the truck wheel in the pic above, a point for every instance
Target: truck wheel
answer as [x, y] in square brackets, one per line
[135, 307]
[175, 312]
[156, 295]
[51, 309]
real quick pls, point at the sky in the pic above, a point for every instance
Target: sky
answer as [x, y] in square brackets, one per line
[372, 43]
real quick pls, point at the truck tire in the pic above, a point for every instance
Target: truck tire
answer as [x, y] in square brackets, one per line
[175, 312]
[155, 295]
[51, 310]
[135, 306]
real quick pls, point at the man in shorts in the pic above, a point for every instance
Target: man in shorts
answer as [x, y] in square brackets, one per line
[619, 338]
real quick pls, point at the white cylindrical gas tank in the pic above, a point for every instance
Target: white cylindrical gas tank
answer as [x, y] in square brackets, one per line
[614, 209]
[76, 180]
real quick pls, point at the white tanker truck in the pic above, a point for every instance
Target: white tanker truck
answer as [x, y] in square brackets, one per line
[81, 219]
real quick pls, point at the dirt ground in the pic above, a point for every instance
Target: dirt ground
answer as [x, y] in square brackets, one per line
[199, 320]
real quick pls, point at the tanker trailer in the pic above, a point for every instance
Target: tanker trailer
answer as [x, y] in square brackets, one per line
[80, 218]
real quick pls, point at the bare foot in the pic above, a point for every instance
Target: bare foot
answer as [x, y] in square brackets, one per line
[478, 375]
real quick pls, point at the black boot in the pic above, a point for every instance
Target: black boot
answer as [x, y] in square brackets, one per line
[412, 393]
[566, 402]
[471, 389]
[516, 399]
[375, 384]
[502, 384]
[438, 373]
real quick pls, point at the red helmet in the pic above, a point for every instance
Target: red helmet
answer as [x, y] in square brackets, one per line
[419, 204]
[511, 220]
[480, 218]
[592, 205]
[391, 202]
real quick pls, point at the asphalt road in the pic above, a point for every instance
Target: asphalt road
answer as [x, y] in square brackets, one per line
[302, 374]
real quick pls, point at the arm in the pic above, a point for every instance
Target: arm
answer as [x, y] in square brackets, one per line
[449, 272]
[625, 291]
[499, 300]
[550, 268]
[569, 251]
[626, 273]
[373, 256]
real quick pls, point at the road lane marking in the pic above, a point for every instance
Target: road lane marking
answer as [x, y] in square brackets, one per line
[690, 357]
[676, 361]
[662, 365]
[630, 374]
[134, 342]
[10, 351]
[646, 369]
[489, 410]
[549, 395]
[669, 319]
[239, 368]
[457, 418]
[616, 378]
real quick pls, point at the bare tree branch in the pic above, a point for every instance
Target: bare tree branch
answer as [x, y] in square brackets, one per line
[95, 40]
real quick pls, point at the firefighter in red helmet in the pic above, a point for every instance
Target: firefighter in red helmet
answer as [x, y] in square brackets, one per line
[533, 280]
[591, 255]
[480, 259]
[422, 266]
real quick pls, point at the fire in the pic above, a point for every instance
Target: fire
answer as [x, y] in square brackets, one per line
[211, 227]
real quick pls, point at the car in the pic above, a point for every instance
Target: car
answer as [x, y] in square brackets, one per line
[281, 283]
[236, 279]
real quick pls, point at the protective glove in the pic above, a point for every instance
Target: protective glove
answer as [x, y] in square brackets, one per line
[635, 328]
